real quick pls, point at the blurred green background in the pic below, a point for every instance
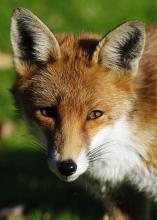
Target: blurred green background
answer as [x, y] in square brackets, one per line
[28, 190]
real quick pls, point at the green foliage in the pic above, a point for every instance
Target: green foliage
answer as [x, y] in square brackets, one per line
[37, 215]
[6, 103]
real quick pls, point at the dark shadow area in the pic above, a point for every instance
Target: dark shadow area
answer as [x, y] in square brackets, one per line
[25, 179]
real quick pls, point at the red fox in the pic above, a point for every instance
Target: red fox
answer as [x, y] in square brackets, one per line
[92, 101]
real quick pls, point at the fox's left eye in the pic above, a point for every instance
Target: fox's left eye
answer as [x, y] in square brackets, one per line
[49, 112]
[94, 114]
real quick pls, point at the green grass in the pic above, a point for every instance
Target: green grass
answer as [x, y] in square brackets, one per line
[37, 215]
[78, 15]
[24, 175]
[6, 103]
[26, 179]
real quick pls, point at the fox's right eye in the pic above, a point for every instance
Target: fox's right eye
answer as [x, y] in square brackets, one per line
[94, 115]
[50, 112]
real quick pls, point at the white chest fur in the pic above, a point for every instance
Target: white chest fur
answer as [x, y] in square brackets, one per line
[119, 158]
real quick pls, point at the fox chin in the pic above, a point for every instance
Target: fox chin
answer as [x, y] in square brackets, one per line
[91, 100]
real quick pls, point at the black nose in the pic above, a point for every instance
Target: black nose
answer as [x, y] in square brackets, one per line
[67, 167]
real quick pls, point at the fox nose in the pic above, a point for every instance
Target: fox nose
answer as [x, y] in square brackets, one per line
[67, 167]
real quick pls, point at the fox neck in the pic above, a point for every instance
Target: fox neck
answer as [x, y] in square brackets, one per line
[119, 154]
[123, 158]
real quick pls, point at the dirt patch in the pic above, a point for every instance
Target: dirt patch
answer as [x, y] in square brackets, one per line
[5, 61]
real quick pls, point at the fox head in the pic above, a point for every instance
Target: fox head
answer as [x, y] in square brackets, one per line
[74, 92]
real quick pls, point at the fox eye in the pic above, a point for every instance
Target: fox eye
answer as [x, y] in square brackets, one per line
[94, 115]
[49, 112]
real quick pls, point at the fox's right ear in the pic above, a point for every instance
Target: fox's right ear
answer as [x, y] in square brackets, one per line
[122, 48]
[31, 40]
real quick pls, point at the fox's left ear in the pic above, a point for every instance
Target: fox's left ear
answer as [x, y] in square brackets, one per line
[31, 39]
[122, 48]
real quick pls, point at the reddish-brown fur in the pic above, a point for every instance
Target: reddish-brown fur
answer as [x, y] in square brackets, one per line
[76, 78]
[74, 82]
[81, 76]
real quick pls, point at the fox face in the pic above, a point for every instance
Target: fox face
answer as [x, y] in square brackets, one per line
[77, 93]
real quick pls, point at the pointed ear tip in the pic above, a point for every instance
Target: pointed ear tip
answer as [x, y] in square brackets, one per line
[19, 10]
[137, 24]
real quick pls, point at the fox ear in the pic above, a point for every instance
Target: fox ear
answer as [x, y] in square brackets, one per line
[122, 48]
[31, 40]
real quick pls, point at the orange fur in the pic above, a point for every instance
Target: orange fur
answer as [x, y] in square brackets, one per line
[75, 85]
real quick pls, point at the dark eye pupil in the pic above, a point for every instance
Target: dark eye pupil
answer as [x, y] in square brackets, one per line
[49, 112]
[97, 114]
[94, 114]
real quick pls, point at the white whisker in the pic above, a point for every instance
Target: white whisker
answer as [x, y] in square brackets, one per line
[99, 152]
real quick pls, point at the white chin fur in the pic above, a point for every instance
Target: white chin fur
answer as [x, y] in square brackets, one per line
[69, 178]
[119, 155]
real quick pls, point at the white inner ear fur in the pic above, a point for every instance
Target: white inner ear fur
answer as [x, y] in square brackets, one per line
[44, 41]
[108, 51]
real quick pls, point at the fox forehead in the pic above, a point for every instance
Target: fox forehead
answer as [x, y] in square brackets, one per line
[78, 48]
[74, 78]
[89, 86]
[77, 70]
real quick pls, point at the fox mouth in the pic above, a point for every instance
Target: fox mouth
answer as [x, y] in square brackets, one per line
[68, 178]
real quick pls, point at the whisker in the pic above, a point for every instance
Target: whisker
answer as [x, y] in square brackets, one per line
[98, 149]
[102, 150]
[38, 147]
[99, 152]
[102, 145]
[97, 159]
